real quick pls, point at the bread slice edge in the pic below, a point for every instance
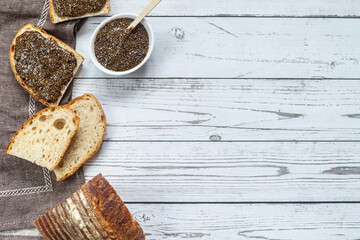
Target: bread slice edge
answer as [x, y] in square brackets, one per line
[79, 60]
[102, 138]
[54, 18]
[34, 116]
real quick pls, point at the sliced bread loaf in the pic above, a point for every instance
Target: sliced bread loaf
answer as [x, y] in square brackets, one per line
[88, 138]
[65, 10]
[44, 138]
[42, 64]
[95, 211]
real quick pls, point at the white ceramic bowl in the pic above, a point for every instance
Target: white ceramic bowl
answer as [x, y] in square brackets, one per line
[121, 15]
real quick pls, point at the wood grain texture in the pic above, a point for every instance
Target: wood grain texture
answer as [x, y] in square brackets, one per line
[310, 8]
[229, 172]
[228, 110]
[218, 45]
[205, 47]
[312, 222]
[245, 221]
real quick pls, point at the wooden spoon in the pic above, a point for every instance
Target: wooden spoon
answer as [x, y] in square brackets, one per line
[143, 14]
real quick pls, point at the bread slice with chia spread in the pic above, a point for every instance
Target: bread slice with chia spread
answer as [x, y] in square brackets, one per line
[65, 10]
[43, 65]
[44, 138]
[88, 138]
[95, 211]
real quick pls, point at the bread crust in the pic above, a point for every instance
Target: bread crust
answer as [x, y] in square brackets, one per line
[77, 121]
[30, 27]
[54, 18]
[102, 138]
[95, 211]
[111, 211]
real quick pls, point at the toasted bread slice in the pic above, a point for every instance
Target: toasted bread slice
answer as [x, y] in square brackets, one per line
[79, 60]
[88, 138]
[44, 138]
[95, 211]
[55, 18]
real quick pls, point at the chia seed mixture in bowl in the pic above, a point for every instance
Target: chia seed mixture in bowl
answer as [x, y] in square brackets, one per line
[117, 50]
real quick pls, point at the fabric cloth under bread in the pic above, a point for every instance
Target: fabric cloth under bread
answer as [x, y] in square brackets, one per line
[26, 190]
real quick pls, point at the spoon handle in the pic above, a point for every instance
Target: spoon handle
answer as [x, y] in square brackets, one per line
[143, 14]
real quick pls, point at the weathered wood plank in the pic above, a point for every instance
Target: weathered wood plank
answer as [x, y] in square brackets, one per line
[205, 47]
[229, 172]
[213, 109]
[246, 221]
[345, 8]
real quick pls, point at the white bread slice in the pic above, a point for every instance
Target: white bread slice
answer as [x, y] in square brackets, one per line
[44, 138]
[56, 18]
[88, 138]
[29, 27]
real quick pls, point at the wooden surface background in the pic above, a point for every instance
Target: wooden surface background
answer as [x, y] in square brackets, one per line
[244, 124]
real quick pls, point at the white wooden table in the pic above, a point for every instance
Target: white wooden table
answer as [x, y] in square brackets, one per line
[244, 124]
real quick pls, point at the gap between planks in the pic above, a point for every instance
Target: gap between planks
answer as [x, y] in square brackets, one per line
[246, 203]
[231, 141]
[216, 78]
[248, 16]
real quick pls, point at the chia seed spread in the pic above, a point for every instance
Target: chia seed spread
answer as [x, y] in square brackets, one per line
[118, 50]
[43, 65]
[76, 8]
